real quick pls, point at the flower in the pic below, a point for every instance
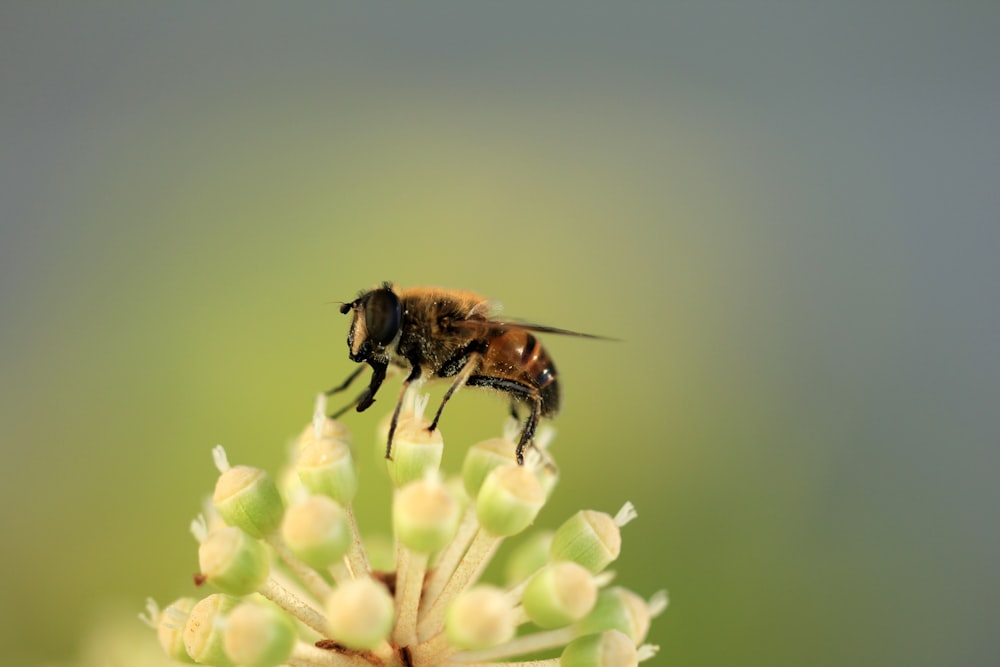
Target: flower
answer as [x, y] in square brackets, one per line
[294, 585]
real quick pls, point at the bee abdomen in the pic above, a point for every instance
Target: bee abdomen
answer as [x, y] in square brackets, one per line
[542, 371]
[550, 399]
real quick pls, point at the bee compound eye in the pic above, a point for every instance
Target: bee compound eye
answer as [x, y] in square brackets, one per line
[382, 316]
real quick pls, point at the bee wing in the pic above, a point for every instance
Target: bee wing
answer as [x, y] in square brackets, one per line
[479, 325]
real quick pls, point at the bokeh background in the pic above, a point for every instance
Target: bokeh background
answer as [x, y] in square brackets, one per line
[789, 212]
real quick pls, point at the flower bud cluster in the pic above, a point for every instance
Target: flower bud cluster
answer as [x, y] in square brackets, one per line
[292, 584]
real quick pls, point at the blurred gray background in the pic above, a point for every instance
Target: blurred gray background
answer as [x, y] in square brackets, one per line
[788, 211]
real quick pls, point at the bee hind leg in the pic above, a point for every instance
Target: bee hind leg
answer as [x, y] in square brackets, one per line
[529, 427]
[518, 392]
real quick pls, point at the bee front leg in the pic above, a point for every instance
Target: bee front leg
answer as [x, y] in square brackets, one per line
[378, 375]
[346, 383]
[367, 397]
[413, 376]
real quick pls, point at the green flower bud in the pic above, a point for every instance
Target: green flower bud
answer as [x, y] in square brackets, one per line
[482, 458]
[549, 477]
[618, 609]
[415, 450]
[248, 498]
[457, 489]
[360, 613]
[437, 614]
[233, 562]
[330, 429]
[509, 500]
[559, 595]
[258, 635]
[608, 649]
[203, 633]
[289, 485]
[327, 467]
[170, 628]
[528, 557]
[589, 538]
[317, 531]
[479, 618]
[425, 515]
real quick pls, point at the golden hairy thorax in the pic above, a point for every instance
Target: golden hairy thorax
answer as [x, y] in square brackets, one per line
[429, 315]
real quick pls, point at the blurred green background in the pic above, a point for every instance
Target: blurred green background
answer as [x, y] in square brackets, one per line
[788, 211]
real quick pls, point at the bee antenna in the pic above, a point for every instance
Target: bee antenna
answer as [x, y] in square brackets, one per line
[344, 307]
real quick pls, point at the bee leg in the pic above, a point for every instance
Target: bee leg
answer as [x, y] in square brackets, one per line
[346, 383]
[460, 379]
[339, 413]
[518, 392]
[529, 426]
[414, 375]
[367, 397]
[341, 387]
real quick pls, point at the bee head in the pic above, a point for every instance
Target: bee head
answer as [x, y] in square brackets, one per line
[378, 315]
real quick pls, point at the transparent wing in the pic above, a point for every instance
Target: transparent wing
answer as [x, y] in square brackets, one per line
[486, 325]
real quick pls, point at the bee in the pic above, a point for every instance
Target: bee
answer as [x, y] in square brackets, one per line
[437, 333]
